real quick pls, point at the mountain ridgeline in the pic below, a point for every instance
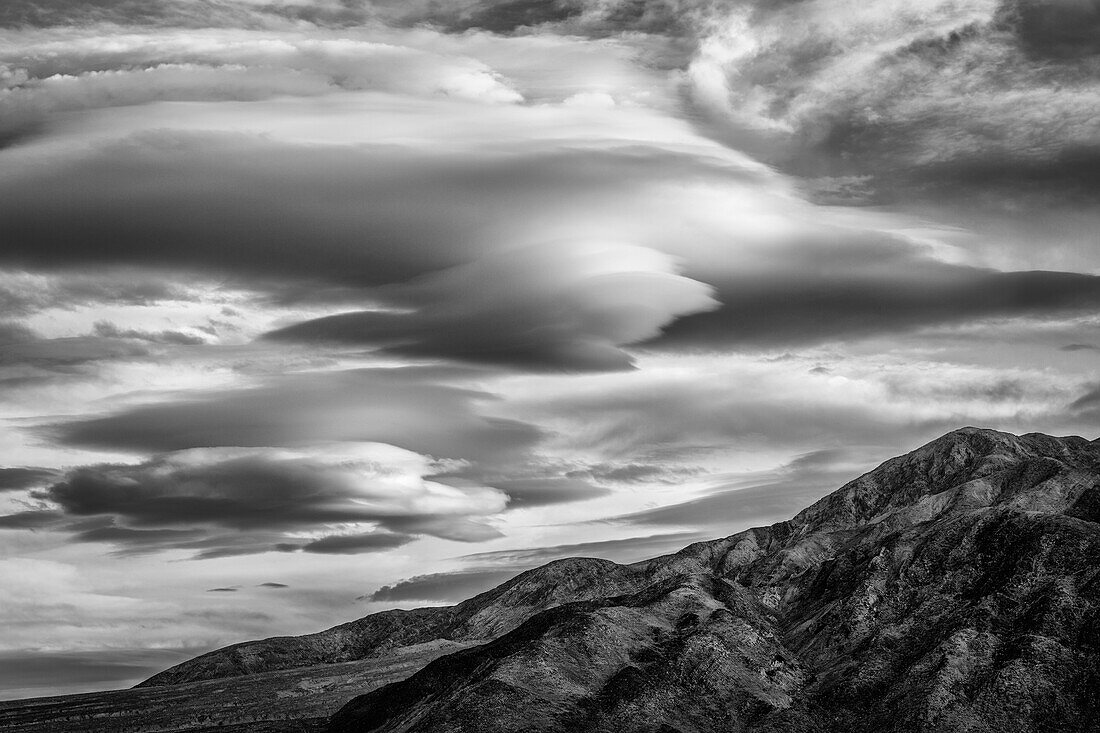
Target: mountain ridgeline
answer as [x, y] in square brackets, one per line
[955, 588]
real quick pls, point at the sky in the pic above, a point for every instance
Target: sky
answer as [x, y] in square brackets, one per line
[310, 310]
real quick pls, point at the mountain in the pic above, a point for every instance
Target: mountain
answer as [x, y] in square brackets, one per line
[954, 588]
[480, 618]
[951, 589]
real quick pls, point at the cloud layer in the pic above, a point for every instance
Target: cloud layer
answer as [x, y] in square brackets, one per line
[187, 499]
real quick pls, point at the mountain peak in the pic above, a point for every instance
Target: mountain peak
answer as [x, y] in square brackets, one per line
[977, 466]
[951, 588]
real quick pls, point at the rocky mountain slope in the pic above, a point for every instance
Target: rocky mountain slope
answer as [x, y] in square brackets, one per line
[951, 589]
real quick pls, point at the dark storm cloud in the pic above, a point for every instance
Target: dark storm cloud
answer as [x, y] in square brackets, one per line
[401, 406]
[631, 549]
[273, 585]
[808, 306]
[19, 478]
[456, 586]
[349, 544]
[222, 590]
[1079, 347]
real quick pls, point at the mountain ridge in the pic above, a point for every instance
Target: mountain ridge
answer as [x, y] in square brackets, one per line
[937, 591]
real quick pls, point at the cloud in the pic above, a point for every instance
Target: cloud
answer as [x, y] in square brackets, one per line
[45, 77]
[13, 334]
[683, 410]
[273, 585]
[245, 488]
[387, 213]
[895, 90]
[349, 544]
[60, 12]
[1089, 399]
[566, 305]
[738, 508]
[173, 219]
[41, 598]
[24, 293]
[18, 479]
[132, 541]
[181, 500]
[506, 16]
[1063, 29]
[886, 294]
[455, 528]
[434, 587]
[222, 590]
[629, 473]
[630, 549]
[31, 519]
[66, 355]
[406, 407]
[794, 486]
[198, 14]
[106, 329]
[534, 492]
[679, 416]
[441, 283]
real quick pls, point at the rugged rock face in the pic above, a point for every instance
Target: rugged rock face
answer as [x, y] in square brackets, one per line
[952, 589]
